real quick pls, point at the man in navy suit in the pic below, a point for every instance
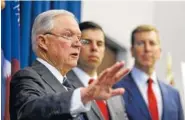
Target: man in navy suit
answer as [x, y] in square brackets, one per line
[146, 97]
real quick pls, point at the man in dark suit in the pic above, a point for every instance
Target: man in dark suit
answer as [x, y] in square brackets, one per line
[42, 92]
[91, 56]
[146, 97]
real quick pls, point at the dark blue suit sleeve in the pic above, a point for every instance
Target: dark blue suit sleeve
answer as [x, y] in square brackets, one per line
[180, 112]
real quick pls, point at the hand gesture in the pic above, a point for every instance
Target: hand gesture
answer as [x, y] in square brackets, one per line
[101, 88]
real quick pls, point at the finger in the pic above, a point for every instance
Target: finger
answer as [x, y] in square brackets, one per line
[118, 91]
[115, 68]
[106, 76]
[103, 75]
[119, 75]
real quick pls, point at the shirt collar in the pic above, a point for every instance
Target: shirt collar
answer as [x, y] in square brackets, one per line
[83, 76]
[52, 69]
[142, 77]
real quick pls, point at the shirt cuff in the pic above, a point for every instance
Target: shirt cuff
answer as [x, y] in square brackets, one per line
[77, 106]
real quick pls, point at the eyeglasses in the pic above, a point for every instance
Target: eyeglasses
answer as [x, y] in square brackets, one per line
[68, 36]
[85, 42]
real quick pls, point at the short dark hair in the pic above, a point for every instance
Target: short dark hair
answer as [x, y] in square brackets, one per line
[142, 28]
[89, 25]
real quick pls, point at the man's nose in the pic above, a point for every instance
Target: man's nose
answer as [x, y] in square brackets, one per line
[148, 47]
[77, 42]
[94, 46]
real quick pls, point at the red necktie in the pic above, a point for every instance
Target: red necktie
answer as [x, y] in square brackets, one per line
[102, 106]
[152, 102]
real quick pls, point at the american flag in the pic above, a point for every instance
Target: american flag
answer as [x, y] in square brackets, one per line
[10, 49]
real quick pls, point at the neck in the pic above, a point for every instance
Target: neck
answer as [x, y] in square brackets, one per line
[147, 70]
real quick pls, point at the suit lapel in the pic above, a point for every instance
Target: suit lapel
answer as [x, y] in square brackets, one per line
[116, 108]
[110, 109]
[165, 99]
[48, 77]
[136, 97]
[75, 81]
[96, 110]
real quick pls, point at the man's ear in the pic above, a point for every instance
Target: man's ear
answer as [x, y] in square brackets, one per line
[42, 42]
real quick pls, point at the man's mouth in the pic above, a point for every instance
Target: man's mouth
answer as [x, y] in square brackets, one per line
[75, 55]
[94, 58]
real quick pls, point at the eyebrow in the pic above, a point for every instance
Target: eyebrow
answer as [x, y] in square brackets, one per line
[93, 40]
[67, 29]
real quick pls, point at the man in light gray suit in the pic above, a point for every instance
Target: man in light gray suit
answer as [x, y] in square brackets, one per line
[40, 92]
[91, 56]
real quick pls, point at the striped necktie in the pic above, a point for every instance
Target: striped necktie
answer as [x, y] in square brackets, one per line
[67, 84]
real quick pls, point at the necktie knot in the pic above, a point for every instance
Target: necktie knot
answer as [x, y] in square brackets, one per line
[90, 81]
[150, 81]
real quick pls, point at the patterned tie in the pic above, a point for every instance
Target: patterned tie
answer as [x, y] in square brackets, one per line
[67, 84]
[102, 106]
[152, 102]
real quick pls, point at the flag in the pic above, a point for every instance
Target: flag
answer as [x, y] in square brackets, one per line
[10, 46]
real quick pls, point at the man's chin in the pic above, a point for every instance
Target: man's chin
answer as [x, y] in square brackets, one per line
[145, 64]
[93, 65]
[148, 65]
[74, 65]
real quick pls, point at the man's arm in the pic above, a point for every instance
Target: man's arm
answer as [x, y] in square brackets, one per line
[30, 101]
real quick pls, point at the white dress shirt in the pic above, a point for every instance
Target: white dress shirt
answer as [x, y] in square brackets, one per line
[83, 76]
[141, 79]
[76, 103]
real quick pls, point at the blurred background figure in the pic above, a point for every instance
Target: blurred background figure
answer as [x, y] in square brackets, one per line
[91, 56]
[167, 16]
[147, 97]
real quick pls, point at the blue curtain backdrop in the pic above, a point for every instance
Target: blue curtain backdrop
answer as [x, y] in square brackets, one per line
[16, 50]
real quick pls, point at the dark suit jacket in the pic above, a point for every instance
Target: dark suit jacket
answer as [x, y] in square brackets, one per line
[35, 94]
[115, 104]
[136, 107]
